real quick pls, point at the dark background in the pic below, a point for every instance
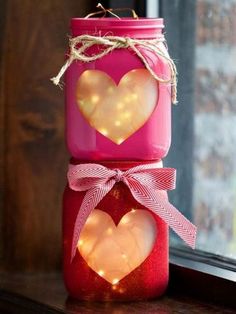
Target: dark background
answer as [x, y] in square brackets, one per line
[33, 40]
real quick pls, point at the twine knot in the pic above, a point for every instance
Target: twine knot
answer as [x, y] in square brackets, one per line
[79, 46]
[123, 42]
[118, 175]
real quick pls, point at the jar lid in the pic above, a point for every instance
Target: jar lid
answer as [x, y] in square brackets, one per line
[134, 28]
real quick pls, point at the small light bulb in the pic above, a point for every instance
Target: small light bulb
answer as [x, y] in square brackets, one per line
[86, 74]
[103, 131]
[127, 99]
[127, 114]
[95, 99]
[134, 96]
[92, 220]
[119, 140]
[81, 242]
[109, 231]
[110, 90]
[125, 79]
[120, 105]
[115, 281]
[101, 273]
[117, 123]
[133, 211]
[125, 220]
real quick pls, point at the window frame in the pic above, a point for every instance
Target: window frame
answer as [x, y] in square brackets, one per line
[194, 273]
[202, 275]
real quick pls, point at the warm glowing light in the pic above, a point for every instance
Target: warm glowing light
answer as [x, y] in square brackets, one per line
[127, 114]
[121, 290]
[86, 74]
[110, 89]
[101, 272]
[120, 105]
[114, 250]
[81, 242]
[134, 96]
[120, 140]
[102, 102]
[128, 99]
[117, 123]
[131, 97]
[126, 79]
[115, 281]
[133, 211]
[95, 99]
[125, 220]
[91, 220]
[103, 131]
[109, 231]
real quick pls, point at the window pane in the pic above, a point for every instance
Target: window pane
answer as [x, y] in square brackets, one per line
[214, 189]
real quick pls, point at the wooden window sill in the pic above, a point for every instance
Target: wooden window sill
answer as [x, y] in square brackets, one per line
[45, 293]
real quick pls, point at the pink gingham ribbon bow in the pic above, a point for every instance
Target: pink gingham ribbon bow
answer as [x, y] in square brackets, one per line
[145, 183]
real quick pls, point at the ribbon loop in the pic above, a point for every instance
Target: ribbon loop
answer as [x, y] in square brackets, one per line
[145, 183]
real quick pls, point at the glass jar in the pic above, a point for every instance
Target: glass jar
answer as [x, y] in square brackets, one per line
[115, 108]
[122, 252]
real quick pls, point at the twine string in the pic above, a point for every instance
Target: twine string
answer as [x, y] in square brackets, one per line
[111, 11]
[79, 46]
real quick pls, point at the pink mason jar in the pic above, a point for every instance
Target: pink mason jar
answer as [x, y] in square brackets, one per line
[115, 108]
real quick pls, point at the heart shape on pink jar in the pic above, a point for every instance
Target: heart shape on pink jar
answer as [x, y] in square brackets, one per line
[115, 251]
[116, 111]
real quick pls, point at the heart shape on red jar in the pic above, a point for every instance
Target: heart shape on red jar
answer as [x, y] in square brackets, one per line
[115, 251]
[116, 111]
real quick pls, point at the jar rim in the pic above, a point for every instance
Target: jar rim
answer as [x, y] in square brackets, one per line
[142, 28]
[115, 23]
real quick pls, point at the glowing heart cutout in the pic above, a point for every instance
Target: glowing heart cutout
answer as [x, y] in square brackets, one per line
[116, 111]
[115, 251]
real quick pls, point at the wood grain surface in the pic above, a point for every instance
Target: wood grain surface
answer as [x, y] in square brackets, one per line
[33, 156]
[2, 25]
[37, 294]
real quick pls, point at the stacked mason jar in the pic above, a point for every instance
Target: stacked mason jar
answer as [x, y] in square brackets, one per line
[118, 116]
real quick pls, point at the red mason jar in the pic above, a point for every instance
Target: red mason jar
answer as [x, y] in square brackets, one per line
[122, 252]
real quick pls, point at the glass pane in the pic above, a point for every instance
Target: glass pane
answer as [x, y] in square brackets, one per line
[214, 194]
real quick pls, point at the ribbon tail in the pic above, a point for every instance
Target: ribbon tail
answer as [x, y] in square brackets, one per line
[90, 201]
[157, 203]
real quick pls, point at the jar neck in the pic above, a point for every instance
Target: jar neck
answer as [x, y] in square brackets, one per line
[142, 28]
[122, 165]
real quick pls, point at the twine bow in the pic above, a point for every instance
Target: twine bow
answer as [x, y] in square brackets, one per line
[79, 46]
[144, 182]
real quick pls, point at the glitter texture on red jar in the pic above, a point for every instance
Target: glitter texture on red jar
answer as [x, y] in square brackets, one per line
[122, 252]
